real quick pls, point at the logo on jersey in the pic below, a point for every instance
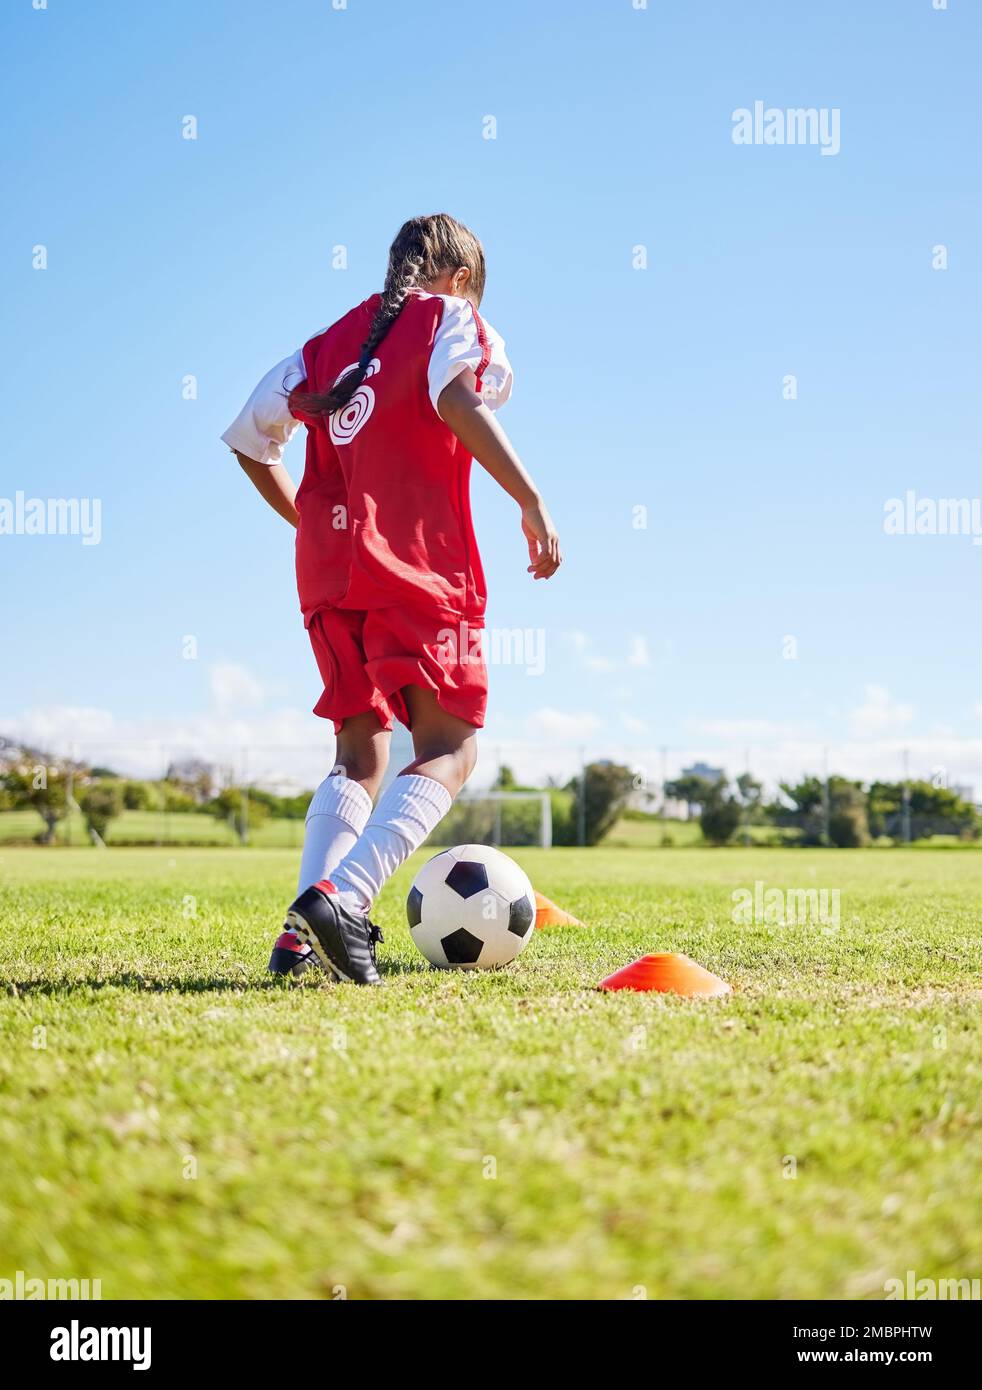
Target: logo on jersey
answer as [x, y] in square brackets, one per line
[346, 422]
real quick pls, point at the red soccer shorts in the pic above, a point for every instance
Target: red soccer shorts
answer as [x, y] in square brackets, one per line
[366, 658]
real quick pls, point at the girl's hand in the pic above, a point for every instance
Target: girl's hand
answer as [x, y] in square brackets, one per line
[544, 552]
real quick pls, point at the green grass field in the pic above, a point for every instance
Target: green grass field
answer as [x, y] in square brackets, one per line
[151, 828]
[176, 1124]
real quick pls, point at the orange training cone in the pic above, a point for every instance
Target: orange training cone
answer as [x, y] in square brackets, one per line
[547, 914]
[668, 973]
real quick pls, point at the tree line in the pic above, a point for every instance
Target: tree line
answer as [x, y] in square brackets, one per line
[814, 811]
[831, 810]
[54, 787]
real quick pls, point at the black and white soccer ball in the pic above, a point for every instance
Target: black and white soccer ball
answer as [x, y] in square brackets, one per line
[471, 907]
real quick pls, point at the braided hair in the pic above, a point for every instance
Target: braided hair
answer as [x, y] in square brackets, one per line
[424, 249]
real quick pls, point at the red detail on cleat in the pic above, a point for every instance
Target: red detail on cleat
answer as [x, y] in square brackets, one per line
[289, 941]
[326, 886]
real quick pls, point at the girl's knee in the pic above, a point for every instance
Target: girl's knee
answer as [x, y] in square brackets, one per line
[463, 760]
[448, 760]
[360, 767]
[362, 757]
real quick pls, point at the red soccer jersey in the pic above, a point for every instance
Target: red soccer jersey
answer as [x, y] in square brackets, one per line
[384, 505]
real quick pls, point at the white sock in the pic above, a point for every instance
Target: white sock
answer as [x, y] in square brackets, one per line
[337, 815]
[407, 812]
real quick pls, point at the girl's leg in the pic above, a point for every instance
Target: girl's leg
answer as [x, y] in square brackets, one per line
[414, 804]
[445, 746]
[341, 805]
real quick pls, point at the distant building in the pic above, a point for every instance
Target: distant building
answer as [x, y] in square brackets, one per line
[707, 773]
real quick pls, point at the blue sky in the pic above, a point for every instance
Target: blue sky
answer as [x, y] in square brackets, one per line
[658, 388]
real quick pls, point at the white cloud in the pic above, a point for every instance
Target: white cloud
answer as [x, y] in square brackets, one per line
[279, 743]
[234, 687]
[580, 643]
[878, 714]
[55, 728]
[864, 760]
[638, 656]
[564, 725]
[282, 742]
[753, 729]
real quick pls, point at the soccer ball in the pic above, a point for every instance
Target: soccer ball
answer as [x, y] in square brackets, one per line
[471, 907]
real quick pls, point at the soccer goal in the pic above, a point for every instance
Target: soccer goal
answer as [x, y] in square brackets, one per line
[498, 818]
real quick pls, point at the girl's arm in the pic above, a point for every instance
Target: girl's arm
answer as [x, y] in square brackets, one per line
[274, 485]
[261, 431]
[462, 409]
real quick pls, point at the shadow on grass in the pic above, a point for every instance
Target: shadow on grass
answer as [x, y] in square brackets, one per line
[313, 979]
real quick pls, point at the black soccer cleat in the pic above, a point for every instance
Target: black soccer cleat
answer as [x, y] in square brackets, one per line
[341, 940]
[290, 956]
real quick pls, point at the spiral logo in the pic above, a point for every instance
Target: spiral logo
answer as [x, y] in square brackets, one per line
[346, 422]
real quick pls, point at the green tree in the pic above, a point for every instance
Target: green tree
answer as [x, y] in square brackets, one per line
[42, 787]
[295, 807]
[848, 814]
[848, 821]
[720, 816]
[607, 786]
[806, 810]
[932, 811]
[176, 798]
[694, 791]
[194, 776]
[750, 792]
[228, 806]
[101, 802]
[139, 796]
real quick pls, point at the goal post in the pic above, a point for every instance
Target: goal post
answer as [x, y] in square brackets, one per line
[498, 818]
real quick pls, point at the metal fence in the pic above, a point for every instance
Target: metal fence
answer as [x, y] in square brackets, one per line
[290, 769]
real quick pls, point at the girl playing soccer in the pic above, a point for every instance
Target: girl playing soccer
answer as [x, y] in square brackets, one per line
[397, 398]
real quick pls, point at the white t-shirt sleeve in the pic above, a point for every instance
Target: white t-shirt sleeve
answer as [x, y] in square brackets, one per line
[458, 346]
[264, 425]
